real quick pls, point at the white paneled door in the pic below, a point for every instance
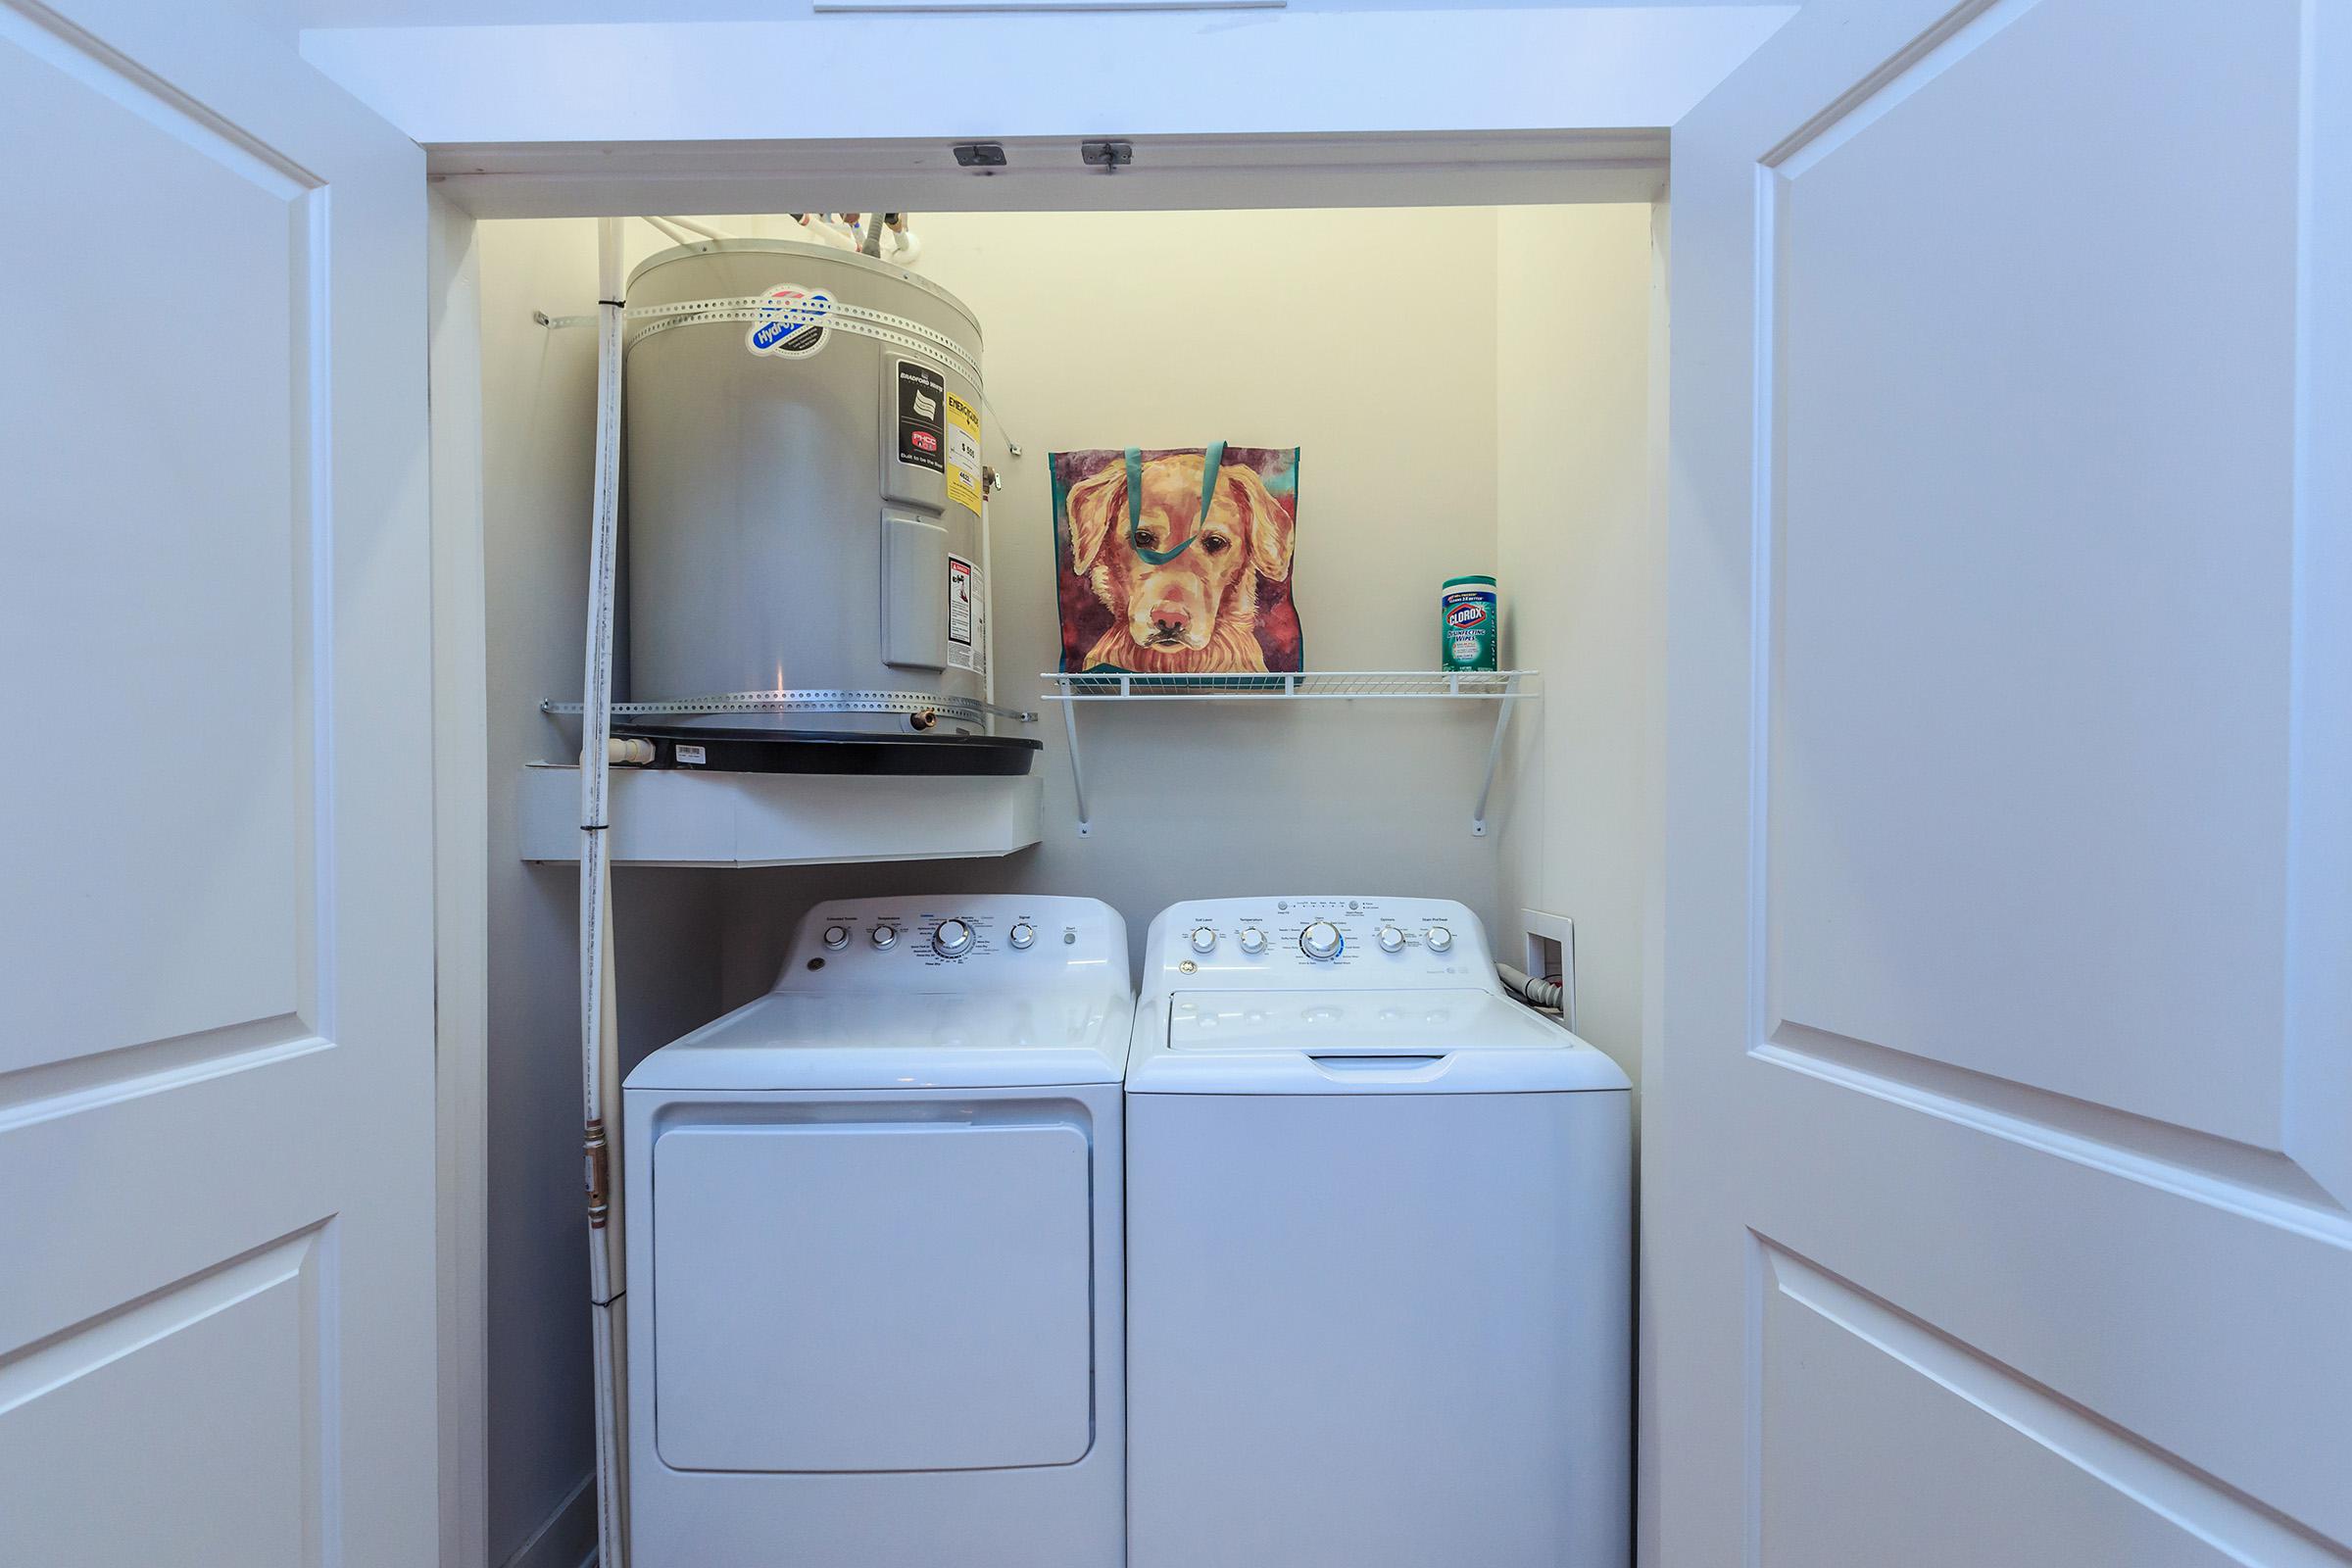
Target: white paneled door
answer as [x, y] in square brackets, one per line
[2001, 1151]
[215, 853]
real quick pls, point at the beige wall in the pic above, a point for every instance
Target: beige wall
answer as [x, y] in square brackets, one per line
[538, 424]
[1573, 537]
[1367, 338]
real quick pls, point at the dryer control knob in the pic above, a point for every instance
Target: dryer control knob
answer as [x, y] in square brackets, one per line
[837, 936]
[1321, 940]
[1253, 941]
[952, 939]
[1204, 939]
[1438, 938]
[1022, 935]
[886, 936]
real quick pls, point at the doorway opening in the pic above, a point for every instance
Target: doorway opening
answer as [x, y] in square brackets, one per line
[1460, 336]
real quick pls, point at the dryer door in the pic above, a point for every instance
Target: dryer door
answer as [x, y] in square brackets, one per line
[874, 1294]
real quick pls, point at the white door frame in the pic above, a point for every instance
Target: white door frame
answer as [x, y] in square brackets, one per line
[1197, 173]
[461, 885]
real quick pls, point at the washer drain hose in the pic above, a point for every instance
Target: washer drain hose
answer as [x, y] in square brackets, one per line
[1530, 990]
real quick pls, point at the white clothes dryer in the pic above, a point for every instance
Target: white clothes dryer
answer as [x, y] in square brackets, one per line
[1378, 1251]
[874, 1247]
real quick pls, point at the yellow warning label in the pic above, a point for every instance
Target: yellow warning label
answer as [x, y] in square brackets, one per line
[963, 453]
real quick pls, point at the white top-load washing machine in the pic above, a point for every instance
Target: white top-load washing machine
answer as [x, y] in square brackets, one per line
[874, 1249]
[1378, 1251]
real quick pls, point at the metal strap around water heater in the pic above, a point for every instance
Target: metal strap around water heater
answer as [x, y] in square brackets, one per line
[968, 708]
[896, 330]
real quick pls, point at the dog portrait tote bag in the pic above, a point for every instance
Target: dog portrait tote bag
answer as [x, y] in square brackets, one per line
[1176, 561]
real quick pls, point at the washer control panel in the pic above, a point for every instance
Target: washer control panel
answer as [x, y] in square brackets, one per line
[960, 940]
[1316, 940]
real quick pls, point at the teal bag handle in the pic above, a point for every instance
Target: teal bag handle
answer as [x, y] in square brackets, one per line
[1213, 466]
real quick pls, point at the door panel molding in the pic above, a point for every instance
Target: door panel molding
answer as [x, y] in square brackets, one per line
[2319, 930]
[104, 1078]
[2260, 1183]
[2111, 989]
[52, 39]
[33, 1370]
[2197, 1503]
[264, 1324]
[65, 1060]
[1963, 32]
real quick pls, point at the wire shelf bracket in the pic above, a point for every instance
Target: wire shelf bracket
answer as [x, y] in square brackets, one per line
[1504, 688]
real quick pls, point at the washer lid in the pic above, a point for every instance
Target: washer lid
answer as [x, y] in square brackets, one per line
[949, 1041]
[1345, 1042]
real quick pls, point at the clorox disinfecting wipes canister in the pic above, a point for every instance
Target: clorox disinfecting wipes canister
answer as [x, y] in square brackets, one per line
[1469, 632]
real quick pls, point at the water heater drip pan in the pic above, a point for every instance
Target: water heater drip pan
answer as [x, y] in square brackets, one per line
[776, 751]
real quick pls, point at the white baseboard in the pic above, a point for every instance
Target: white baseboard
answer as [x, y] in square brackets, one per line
[565, 1538]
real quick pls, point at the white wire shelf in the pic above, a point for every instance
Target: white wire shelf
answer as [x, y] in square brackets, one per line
[1505, 688]
[1114, 686]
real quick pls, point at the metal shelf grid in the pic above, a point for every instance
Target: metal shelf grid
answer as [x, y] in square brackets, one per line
[1124, 686]
[1505, 688]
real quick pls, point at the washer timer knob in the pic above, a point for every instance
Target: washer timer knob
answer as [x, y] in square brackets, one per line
[1253, 941]
[886, 936]
[1022, 935]
[952, 939]
[837, 936]
[1204, 939]
[1439, 938]
[1321, 940]
[1392, 940]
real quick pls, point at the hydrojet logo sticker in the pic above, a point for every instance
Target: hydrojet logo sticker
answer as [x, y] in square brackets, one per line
[792, 325]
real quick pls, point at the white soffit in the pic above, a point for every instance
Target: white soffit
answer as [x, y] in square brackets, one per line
[1433, 168]
[1312, 68]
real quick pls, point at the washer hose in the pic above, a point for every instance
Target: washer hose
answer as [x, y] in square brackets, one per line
[1531, 990]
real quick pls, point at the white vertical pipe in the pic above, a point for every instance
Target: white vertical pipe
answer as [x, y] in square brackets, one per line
[987, 608]
[599, 1009]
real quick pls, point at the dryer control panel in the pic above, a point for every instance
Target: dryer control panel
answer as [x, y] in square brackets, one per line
[960, 941]
[1318, 941]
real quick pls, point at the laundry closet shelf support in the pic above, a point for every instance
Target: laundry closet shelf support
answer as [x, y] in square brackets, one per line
[1504, 688]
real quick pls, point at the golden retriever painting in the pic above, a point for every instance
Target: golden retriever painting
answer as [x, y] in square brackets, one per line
[1177, 562]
